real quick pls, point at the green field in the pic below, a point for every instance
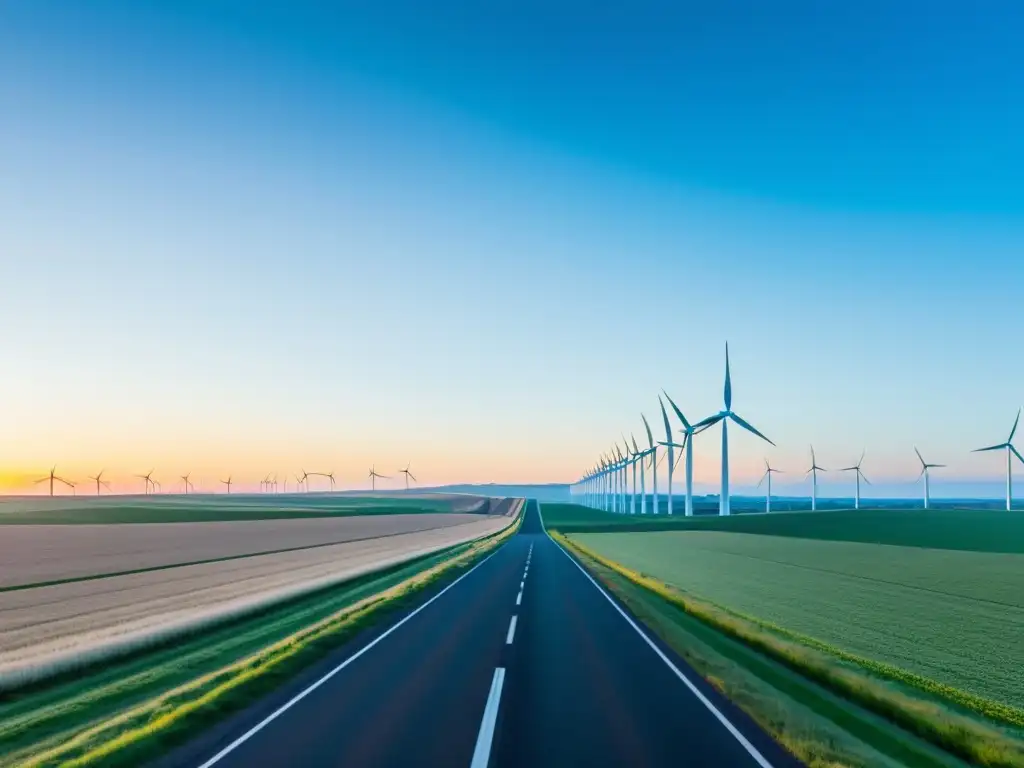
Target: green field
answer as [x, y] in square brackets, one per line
[975, 530]
[205, 508]
[952, 616]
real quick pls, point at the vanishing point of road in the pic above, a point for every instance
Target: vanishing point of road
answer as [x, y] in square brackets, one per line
[522, 661]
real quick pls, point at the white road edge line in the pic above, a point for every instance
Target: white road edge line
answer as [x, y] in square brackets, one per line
[303, 694]
[751, 749]
[482, 752]
[519, 598]
[511, 631]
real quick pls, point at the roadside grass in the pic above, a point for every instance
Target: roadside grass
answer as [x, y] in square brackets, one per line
[944, 725]
[975, 530]
[133, 711]
[211, 508]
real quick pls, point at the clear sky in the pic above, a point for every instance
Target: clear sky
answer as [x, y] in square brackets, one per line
[243, 237]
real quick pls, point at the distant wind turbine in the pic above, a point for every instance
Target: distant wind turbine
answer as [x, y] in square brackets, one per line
[859, 476]
[924, 473]
[670, 446]
[725, 416]
[100, 481]
[408, 475]
[635, 455]
[188, 483]
[148, 477]
[227, 483]
[813, 472]
[768, 472]
[1010, 453]
[652, 451]
[53, 476]
[373, 478]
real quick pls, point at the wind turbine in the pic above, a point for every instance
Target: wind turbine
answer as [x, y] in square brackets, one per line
[688, 430]
[924, 473]
[408, 475]
[157, 487]
[188, 483]
[670, 446]
[227, 483]
[53, 476]
[625, 463]
[724, 417]
[1010, 452]
[99, 481]
[634, 456]
[373, 478]
[859, 476]
[652, 451]
[813, 472]
[148, 477]
[768, 472]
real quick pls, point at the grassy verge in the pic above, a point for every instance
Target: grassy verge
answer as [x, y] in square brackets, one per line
[133, 712]
[864, 707]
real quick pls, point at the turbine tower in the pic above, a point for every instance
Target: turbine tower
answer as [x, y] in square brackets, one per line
[725, 416]
[813, 472]
[373, 478]
[1010, 453]
[99, 481]
[652, 451]
[859, 476]
[408, 475]
[768, 472]
[924, 473]
[53, 476]
[227, 483]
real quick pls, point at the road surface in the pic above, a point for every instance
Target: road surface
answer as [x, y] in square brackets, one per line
[523, 661]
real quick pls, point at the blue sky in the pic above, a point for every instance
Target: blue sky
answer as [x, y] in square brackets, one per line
[252, 237]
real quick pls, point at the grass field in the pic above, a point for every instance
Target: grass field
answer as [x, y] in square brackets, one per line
[951, 616]
[960, 529]
[205, 508]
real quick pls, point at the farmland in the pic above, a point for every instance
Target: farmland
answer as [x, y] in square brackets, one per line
[115, 588]
[205, 508]
[44, 554]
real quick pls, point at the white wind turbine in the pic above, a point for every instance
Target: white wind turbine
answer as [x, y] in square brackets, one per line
[859, 476]
[924, 473]
[724, 416]
[813, 472]
[634, 456]
[1010, 453]
[652, 451]
[768, 472]
[670, 447]
[689, 430]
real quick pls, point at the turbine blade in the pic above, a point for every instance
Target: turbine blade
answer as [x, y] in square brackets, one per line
[650, 437]
[1017, 454]
[728, 380]
[762, 479]
[676, 409]
[919, 456]
[990, 448]
[1015, 423]
[412, 476]
[710, 421]
[748, 427]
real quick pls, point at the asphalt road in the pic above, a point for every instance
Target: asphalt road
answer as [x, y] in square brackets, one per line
[524, 661]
